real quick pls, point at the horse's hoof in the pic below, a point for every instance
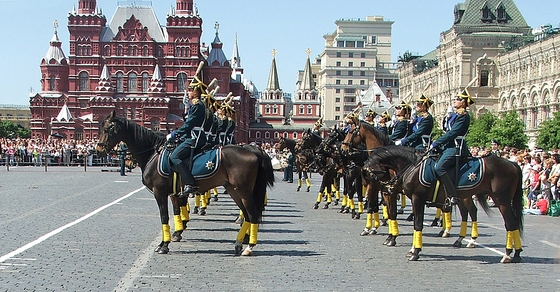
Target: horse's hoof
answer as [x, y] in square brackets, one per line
[392, 241]
[176, 237]
[341, 210]
[248, 251]
[308, 189]
[409, 254]
[357, 217]
[326, 206]
[457, 243]
[365, 232]
[516, 259]
[335, 203]
[387, 240]
[471, 244]
[400, 211]
[445, 233]
[410, 217]
[505, 259]
[383, 222]
[202, 212]
[440, 234]
[346, 211]
[195, 210]
[238, 247]
[413, 258]
[298, 188]
[435, 222]
[316, 206]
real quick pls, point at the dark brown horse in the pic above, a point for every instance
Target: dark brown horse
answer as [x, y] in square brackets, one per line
[245, 172]
[501, 181]
[299, 159]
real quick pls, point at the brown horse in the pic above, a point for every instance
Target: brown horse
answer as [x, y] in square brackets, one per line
[245, 172]
[501, 181]
[299, 158]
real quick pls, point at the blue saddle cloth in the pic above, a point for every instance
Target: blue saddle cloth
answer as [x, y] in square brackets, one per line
[471, 172]
[205, 164]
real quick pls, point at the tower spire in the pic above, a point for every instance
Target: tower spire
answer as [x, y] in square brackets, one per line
[235, 59]
[273, 83]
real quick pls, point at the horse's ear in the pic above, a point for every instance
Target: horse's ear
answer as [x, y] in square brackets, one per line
[112, 115]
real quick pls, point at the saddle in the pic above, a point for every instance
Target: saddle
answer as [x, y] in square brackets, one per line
[471, 172]
[205, 164]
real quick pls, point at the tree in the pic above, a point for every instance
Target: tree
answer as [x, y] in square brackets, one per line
[480, 127]
[549, 133]
[509, 131]
[10, 130]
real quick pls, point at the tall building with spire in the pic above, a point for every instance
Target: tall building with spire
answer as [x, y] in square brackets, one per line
[132, 64]
[306, 104]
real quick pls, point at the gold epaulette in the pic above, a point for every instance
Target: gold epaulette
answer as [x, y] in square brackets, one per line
[400, 118]
[424, 114]
[195, 101]
[461, 111]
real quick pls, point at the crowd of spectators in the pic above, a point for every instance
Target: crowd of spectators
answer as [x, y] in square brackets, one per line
[53, 151]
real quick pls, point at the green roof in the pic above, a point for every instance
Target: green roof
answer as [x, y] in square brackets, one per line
[472, 14]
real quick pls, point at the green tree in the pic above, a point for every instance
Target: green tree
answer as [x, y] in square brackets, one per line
[479, 129]
[509, 131]
[10, 130]
[549, 133]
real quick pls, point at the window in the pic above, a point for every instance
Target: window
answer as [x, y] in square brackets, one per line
[133, 113]
[145, 82]
[267, 135]
[337, 99]
[350, 44]
[337, 81]
[275, 110]
[340, 44]
[349, 82]
[502, 16]
[84, 81]
[309, 110]
[336, 118]
[145, 51]
[294, 135]
[258, 135]
[285, 134]
[301, 109]
[350, 55]
[119, 82]
[486, 14]
[362, 82]
[267, 109]
[362, 55]
[349, 99]
[155, 125]
[350, 73]
[360, 44]
[119, 51]
[373, 39]
[362, 73]
[79, 134]
[484, 78]
[181, 82]
[350, 64]
[338, 54]
[337, 90]
[362, 64]
[338, 64]
[52, 83]
[132, 82]
[83, 104]
[337, 73]
[276, 135]
[107, 50]
[337, 109]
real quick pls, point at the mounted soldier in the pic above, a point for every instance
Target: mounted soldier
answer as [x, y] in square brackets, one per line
[400, 128]
[422, 125]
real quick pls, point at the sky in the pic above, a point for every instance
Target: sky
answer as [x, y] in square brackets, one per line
[288, 26]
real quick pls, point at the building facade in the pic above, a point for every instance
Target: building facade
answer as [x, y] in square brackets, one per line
[17, 114]
[491, 50]
[356, 54]
[132, 65]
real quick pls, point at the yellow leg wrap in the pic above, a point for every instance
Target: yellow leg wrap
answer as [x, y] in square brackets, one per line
[337, 194]
[185, 213]
[178, 223]
[364, 190]
[417, 239]
[438, 213]
[344, 200]
[390, 226]
[243, 231]
[509, 240]
[253, 235]
[197, 200]
[385, 212]
[369, 221]
[376, 222]
[329, 198]
[204, 200]
[463, 230]
[474, 229]
[307, 182]
[395, 229]
[319, 197]
[351, 204]
[447, 219]
[403, 201]
[516, 239]
[215, 191]
[360, 207]
[188, 207]
[299, 182]
[241, 214]
[165, 232]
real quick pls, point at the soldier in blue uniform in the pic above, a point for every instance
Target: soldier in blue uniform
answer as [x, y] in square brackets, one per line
[457, 126]
[422, 125]
[400, 128]
[369, 116]
[230, 121]
[317, 127]
[192, 137]
[382, 123]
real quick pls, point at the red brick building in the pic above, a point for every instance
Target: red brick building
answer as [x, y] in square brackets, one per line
[132, 65]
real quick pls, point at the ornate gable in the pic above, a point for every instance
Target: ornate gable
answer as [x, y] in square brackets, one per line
[132, 30]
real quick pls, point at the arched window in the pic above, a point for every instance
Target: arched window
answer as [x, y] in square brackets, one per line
[155, 125]
[276, 135]
[119, 82]
[258, 135]
[484, 78]
[181, 82]
[285, 135]
[52, 83]
[132, 82]
[145, 50]
[267, 135]
[294, 135]
[119, 50]
[84, 81]
[145, 82]
[107, 50]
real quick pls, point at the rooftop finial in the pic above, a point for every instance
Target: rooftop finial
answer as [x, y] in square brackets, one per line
[55, 25]
[308, 52]
[274, 53]
[217, 27]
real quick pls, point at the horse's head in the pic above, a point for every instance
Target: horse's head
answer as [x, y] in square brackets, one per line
[280, 145]
[352, 139]
[109, 130]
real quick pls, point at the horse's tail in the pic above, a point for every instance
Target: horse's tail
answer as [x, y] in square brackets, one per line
[265, 176]
[483, 203]
[517, 203]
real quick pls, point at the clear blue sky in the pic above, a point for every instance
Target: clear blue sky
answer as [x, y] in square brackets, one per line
[289, 26]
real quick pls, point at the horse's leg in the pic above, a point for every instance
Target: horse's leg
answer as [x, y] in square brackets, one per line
[345, 204]
[161, 199]
[215, 190]
[512, 224]
[464, 215]
[372, 218]
[418, 209]
[179, 225]
[336, 190]
[359, 191]
[446, 226]
[436, 222]
[196, 204]
[204, 203]
[307, 182]
[321, 189]
[299, 179]
[403, 204]
[391, 201]
[474, 222]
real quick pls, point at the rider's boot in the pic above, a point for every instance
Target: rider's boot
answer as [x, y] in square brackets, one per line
[185, 173]
[452, 196]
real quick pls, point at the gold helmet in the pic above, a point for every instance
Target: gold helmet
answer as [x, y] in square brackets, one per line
[385, 115]
[371, 113]
[423, 99]
[404, 106]
[466, 96]
[319, 123]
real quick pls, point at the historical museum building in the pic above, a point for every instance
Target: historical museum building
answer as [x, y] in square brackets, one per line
[135, 66]
[504, 63]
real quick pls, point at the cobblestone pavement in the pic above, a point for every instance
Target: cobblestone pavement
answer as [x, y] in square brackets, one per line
[71, 230]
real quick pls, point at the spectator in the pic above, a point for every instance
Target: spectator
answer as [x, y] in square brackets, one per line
[541, 206]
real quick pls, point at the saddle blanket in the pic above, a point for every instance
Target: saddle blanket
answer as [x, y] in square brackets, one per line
[471, 172]
[205, 164]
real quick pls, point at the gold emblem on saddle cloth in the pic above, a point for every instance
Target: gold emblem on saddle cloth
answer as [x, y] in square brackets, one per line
[472, 176]
[209, 165]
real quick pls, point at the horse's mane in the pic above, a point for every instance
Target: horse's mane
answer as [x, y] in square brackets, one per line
[391, 153]
[383, 139]
[143, 135]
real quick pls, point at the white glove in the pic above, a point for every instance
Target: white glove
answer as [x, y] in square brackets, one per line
[398, 142]
[168, 137]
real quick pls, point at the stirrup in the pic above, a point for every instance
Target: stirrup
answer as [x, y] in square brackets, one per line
[190, 189]
[451, 201]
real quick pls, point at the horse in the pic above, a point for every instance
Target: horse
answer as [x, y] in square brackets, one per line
[290, 144]
[365, 133]
[501, 180]
[245, 172]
